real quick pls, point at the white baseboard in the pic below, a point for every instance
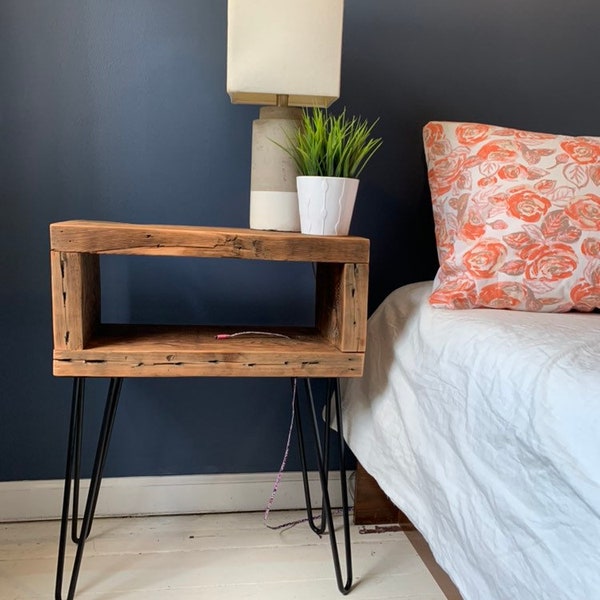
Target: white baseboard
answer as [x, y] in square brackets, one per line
[180, 494]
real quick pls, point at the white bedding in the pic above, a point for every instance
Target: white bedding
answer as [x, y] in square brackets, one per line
[483, 426]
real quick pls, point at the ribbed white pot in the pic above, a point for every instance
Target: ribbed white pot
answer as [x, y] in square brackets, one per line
[326, 204]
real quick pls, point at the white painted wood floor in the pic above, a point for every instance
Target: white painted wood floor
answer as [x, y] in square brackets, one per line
[215, 557]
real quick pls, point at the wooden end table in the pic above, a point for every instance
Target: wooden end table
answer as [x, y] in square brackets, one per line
[85, 347]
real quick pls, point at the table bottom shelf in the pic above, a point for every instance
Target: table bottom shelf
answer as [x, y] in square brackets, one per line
[196, 351]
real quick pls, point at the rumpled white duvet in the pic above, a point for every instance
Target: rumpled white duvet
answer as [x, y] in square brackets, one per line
[483, 426]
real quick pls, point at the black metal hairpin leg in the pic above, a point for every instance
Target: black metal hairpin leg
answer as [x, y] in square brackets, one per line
[301, 444]
[72, 476]
[322, 453]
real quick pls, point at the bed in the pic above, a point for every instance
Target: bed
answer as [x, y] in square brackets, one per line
[483, 427]
[479, 410]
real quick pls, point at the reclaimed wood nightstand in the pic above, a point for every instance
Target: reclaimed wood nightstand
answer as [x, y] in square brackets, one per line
[85, 347]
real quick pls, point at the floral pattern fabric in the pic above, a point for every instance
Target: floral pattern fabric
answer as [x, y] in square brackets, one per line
[517, 218]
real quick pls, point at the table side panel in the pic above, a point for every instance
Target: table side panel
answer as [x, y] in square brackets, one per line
[341, 305]
[75, 298]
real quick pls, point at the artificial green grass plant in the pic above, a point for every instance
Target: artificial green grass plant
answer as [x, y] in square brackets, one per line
[332, 146]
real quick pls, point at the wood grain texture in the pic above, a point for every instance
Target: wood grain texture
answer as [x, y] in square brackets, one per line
[75, 298]
[210, 557]
[85, 347]
[193, 351]
[341, 305]
[371, 504]
[178, 240]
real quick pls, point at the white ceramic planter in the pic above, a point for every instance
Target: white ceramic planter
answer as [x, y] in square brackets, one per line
[326, 204]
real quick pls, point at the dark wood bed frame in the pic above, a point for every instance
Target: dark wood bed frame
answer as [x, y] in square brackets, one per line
[373, 507]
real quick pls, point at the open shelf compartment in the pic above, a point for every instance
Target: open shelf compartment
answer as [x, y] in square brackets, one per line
[85, 347]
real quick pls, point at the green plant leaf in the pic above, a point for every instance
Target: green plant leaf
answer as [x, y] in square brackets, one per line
[333, 146]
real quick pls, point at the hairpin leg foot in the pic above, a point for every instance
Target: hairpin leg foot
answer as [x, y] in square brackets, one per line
[72, 476]
[322, 453]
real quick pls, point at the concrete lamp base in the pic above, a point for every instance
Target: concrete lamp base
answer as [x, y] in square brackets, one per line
[273, 195]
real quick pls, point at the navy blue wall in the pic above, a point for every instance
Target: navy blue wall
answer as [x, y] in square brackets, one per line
[117, 111]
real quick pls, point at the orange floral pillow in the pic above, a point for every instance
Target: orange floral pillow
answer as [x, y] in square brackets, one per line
[517, 218]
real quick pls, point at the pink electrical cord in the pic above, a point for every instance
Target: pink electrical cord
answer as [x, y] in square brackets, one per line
[282, 467]
[226, 336]
[289, 524]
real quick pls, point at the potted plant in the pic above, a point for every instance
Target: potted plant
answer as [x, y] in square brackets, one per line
[330, 152]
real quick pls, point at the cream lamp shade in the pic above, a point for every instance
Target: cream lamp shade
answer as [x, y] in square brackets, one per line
[284, 47]
[282, 54]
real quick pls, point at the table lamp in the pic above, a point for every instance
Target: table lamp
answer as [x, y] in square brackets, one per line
[284, 55]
